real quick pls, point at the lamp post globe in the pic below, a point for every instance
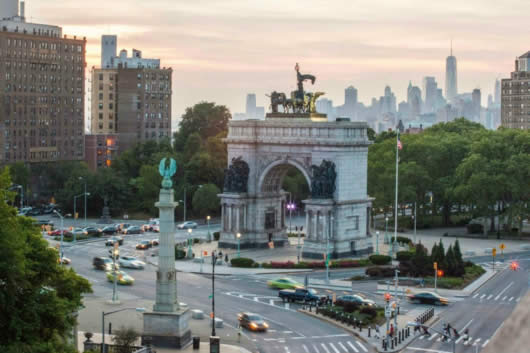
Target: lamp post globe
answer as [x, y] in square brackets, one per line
[238, 245]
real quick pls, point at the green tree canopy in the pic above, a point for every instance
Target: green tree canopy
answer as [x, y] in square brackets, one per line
[206, 201]
[38, 297]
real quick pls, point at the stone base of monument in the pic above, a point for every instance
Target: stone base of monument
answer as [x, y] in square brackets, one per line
[105, 217]
[339, 250]
[167, 330]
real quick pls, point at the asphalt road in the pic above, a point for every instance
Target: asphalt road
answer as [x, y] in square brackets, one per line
[482, 313]
[289, 332]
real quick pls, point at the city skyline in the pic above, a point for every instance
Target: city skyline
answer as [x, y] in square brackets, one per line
[225, 65]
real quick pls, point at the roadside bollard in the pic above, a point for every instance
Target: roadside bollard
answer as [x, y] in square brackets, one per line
[399, 337]
[369, 329]
[396, 342]
[408, 331]
[360, 326]
[392, 344]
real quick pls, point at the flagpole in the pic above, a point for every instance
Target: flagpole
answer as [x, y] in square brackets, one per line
[396, 204]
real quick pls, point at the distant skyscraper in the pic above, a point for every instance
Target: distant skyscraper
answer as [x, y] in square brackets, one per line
[490, 100]
[350, 96]
[476, 97]
[429, 90]
[109, 45]
[451, 83]
[251, 105]
[497, 97]
[414, 101]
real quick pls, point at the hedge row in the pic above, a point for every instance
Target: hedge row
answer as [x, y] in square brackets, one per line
[380, 259]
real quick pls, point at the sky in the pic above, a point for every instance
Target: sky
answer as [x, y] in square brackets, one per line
[220, 50]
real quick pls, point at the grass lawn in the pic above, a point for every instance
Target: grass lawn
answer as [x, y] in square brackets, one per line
[472, 273]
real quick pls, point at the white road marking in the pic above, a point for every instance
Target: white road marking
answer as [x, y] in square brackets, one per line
[459, 339]
[439, 339]
[422, 337]
[476, 341]
[485, 343]
[287, 331]
[255, 299]
[433, 335]
[489, 297]
[510, 299]
[315, 348]
[504, 290]
[465, 326]
[482, 296]
[334, 348]
[362, 347]
[352, 346]
[468, 342]
[476, 295]
[505, 297]
[342, 346]
[305, 348]
[426, 350]
[286, 349]
[325, 348]
[272, 330]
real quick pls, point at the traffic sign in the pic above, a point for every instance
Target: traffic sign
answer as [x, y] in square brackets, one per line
[494, 251]
[502, 247]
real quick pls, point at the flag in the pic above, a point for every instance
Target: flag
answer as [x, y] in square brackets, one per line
[399, 145]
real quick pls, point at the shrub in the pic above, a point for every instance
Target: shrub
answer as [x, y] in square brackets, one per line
[402, 240]
[474, 228]
[368, 310]
[196, 240]
[216, 236]
[350, 307]
[373, 271]
[180, 253]
[358, 278]
[402, 256]
[242, 262]
[380, 259]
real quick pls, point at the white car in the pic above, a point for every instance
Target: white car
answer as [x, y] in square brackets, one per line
[187, 225]
[131, 262]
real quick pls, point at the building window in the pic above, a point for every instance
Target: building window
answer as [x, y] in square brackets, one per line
[356, 222]
[100, 96]
[101, 77]
[100, 116]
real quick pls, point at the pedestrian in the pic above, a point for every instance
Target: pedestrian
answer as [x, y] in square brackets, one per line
[391, 333]
[377, 332]
[466, 335]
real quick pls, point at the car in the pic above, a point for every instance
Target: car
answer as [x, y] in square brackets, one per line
[156, 229]
[122, 277]
[284, 283]
[144, 245]
[356, 298]
[253, 322]
[301, 294]
[112, 240]
[103, 263]
[427, 298]
[155, 242]
[44, 222]
[110, 230]
[57, 233]
[131, 262]
[133, 230]
[34, 212]
[64, 260]
[92, 230]
[187, 225]
[122, 226]
[79, 231]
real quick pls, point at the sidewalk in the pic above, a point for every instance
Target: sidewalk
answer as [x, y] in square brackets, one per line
[89, 320]
[371, 337]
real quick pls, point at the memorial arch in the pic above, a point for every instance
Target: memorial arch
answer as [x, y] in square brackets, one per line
[332, 157]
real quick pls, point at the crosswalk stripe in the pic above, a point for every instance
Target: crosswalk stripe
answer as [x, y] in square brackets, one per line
[476, 295]
[505, 297]
[459, 339]
[361, 345]
[476, 341]
[485, 343]
[468, 342]
[325, 348]
[342, 346]
[315, 348]
[482, 296]
[489, 297]
[286, 349]
[334, 348]
[422, 337]
[510, 299]
[439, 339]
[352, 346]
[433, 335]
[305, 348]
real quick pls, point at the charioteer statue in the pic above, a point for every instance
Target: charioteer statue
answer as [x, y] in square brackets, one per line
[300, 101]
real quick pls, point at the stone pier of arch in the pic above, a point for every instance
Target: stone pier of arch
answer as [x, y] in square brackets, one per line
[338, 224]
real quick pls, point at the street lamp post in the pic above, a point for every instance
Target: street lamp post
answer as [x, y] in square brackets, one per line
[377, 243]
[103, 314]
[414, 218]
[386, 230]
[82, 178]
[190, 251]
[62, 235]
[299, 247]
[238, 245]
[209, 234]
[290, 206]
[115, 253]
[214, 258]
[184, 204]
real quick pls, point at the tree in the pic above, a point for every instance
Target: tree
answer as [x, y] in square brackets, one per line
[38, 296]
[124, 339]
[450, 262]
[459, 261]
[147, 187]
[420, 262]
[206, 201]
[438, 255]
[204, 118]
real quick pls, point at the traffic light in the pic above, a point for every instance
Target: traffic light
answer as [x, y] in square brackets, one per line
[440, 273]
[514, 266]
[435, 265]
[387, 297]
